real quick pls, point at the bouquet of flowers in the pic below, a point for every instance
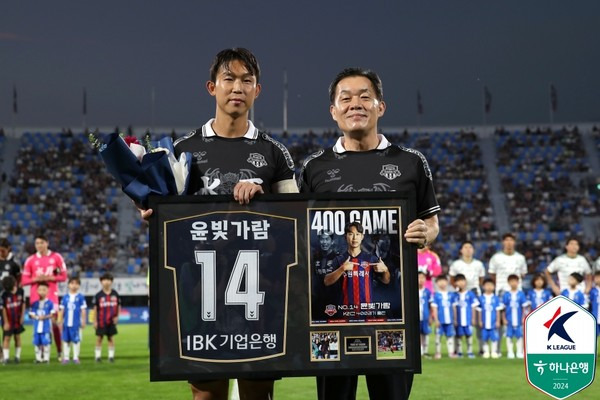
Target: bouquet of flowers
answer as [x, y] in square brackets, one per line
[143, 170]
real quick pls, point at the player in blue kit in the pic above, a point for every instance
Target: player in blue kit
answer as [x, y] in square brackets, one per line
[425, 300]
[443, 316]
[574, 292]
[464, 304]
[538, 294]
[41, 312]
[595, 301]
[489, 312]
[515, 308]
[72, 312]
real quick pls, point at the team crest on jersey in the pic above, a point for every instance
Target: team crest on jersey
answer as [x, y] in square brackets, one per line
[330, 310]
[258, 160]
[333, 175]
[198, 155]
[390, 171]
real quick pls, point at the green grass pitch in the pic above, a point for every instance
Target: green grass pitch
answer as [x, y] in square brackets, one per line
[128, 377]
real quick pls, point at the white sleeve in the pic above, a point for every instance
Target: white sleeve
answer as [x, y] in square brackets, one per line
[481, 270]
[492, 268]
[586, 265]
[524, 265]
[552, 267]
[452, 269]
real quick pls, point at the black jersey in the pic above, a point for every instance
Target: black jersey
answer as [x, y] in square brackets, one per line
[231, 283]
[219, 163]
[387, 168]
[13, 304]
[9, 267]
[107, 307]
[322, 295]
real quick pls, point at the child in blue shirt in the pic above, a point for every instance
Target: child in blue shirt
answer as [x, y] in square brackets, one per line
[443, 316]
[595, 301]
[515, 306]
[573, 292]
[72, 311]
[41, 312]
[489, 311]
[424, 313]
[464, 303]
[539, 294]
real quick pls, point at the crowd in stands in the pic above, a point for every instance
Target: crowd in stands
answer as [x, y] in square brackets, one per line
[59, 186]
[540, 173]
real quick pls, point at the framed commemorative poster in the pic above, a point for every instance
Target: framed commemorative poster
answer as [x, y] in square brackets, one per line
[289, 285]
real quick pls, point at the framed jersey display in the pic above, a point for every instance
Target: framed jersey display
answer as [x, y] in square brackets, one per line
[289, 285]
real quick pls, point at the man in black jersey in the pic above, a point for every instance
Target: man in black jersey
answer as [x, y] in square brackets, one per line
[364, 160]
[322, 258]
[231, 156]
[8, 266]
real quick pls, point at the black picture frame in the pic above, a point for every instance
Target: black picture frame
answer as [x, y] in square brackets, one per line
[190, 321]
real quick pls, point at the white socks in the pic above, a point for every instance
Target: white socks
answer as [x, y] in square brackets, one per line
[66, 350]
[111, 352]
[76, 350]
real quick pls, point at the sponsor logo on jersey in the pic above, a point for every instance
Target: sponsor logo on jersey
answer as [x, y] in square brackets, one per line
[390, 171]
[199, 156]
[377, 187]
[330, 310]
[258, 160]
[333, 175]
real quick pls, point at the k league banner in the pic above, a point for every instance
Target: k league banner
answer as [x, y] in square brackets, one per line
[289, 285]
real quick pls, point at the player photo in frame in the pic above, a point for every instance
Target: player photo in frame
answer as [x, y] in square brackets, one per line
[356, 265]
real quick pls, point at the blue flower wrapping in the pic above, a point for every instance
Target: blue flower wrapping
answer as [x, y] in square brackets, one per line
[154, 175]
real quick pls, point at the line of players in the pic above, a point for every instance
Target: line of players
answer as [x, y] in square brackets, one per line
[70, 313]
[455, 313]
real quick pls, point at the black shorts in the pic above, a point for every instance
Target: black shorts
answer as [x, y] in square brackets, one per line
[108, 330]
[14, 331]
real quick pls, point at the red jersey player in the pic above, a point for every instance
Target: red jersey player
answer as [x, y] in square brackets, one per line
[45, 266]
[12, 304]
[107, 305]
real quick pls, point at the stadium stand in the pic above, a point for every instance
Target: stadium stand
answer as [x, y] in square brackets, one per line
[54, 182]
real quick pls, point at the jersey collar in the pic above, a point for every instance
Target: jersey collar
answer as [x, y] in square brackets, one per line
[339, 145]
[39, 255]
[251, 133]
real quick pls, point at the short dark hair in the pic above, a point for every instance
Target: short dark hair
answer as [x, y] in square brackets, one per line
[460, 277]
[488, 280]
[441, 278]
[225, 57]
[4, 243]
[74, 279]
[8, 283]
[578, 277]
[597, 273]
[466, 242]
[41, 236]
[354, 71]
[536, 277]
[355, 224]
[509, 235]
[570, 239]
[106, 275]
[512, 277]
[42, 283]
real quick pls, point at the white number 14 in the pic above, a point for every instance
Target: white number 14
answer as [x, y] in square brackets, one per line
[246, 266]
